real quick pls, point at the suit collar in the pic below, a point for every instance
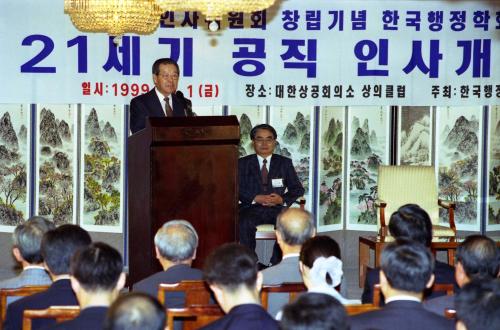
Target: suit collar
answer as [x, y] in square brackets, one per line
[246, 308]
[403, 304]
[61, 284]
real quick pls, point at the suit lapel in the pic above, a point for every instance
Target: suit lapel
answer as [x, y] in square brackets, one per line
[254, 167]
[178, 107]
[154, 105]
[275, 165]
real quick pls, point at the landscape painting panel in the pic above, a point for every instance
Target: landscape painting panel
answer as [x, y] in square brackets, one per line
[56, 162]
[248, 116]
[458, 148]
[415, 136]
[293, 126]
[330, 168]
[14, 165]
[102, 166]
[494, 170]
[368, 145]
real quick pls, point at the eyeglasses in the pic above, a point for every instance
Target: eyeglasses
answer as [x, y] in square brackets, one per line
[168, 76]
[263, 140]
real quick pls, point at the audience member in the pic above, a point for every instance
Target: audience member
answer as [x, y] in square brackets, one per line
[231, 272]
[293, 227]
[478, 305]
[175, 244]
[58, 246]
[27, 239]
[477, 258]
[321, 267]
[267, 184]
[96, 279]
[411, 222]
[135, 311]
[315, 311]
[407, 269]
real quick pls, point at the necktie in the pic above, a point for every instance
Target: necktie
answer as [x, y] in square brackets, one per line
[264, 172]
[168, 109]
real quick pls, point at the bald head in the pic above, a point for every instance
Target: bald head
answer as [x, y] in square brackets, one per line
[295, 226]
[135, 311]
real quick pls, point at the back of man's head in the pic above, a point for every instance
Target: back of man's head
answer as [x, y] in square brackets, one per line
[27, 237]
[176, 240]
[411, 222]
[478, 305]
[97, 267]
[315, 311]
[59, 245]
[135, 311]
[407, 265]
[479, 257]
[231, 266]
[295, 226]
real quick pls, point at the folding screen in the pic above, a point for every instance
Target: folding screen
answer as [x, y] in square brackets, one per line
[295, 141]
[102, 168]
[415, 136]
[368, 147]
[56, 162]
[493, 191]
[14, 164]
[331, 168]
[459, 162]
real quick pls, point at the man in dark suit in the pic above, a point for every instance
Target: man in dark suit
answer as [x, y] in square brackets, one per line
[164, 100]
[231, 272]
[477, 258]
[175, 244]
[96, 278]
[412, 222]
[407, 269]
[477, 305]
[267, 184]
[58, 246]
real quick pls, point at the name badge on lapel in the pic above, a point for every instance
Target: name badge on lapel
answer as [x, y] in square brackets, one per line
[277, 183]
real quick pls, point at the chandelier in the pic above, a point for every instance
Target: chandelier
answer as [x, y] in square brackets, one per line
[215, 9]
[117, 17]
[114, 17]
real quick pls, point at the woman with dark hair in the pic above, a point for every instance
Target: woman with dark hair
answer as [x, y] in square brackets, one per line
[321, 267]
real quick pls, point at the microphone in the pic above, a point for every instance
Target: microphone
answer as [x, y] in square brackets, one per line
[189, 106]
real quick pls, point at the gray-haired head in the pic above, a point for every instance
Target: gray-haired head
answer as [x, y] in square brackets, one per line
[295, 226]
[27, 237]
[176, 240]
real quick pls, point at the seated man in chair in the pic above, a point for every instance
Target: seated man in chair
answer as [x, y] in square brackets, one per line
[407, 270]
[477, 259]
[58, 246]
[27, 239]
[96, 279]
[231, 272]
[175, 245]
[411, 222]
[267, 184]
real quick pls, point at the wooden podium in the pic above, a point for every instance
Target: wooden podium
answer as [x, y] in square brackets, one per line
[181, 168]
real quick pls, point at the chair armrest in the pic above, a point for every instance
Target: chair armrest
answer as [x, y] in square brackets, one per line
[301, 201]
[450, 206]
[447, 204]
[380, 203]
